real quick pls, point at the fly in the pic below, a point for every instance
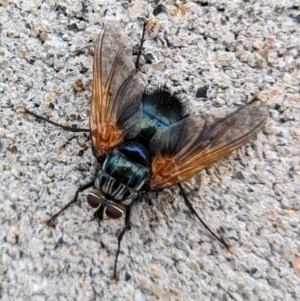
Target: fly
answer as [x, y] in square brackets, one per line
[145, 141]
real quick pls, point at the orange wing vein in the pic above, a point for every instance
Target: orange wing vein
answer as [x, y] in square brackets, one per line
[192, 144]
[116, 107]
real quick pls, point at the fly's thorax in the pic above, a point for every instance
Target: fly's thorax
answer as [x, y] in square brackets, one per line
[128, 164]
[124, 172]
[104, 209]
[114, 189]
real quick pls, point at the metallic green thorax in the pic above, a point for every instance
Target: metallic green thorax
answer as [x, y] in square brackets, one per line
[126, 171]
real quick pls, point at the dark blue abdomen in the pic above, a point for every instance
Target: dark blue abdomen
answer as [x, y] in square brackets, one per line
[160, 110]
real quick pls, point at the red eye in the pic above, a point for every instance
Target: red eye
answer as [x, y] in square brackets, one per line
[113, 212]
[93, 200]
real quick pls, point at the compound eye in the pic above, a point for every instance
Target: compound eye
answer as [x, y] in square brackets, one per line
[113, 212]
[93, 200]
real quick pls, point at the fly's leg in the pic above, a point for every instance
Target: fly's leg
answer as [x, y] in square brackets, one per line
[141, 46]
[80, 189]
[66, 128]
[120, 236]
[190, 206]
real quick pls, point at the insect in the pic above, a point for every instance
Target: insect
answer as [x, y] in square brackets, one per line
[144, 141]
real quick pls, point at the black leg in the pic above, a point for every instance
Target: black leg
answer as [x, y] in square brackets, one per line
[81, 188]
[141, 46]
[59, 125]
[189, 205]
[120, 236]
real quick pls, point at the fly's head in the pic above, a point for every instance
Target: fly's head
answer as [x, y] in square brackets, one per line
[104, 209]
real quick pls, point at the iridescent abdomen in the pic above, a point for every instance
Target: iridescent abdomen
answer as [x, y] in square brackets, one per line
[160, 110]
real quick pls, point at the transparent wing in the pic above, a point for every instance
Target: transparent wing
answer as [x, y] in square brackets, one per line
[192, 144]
[116, 107]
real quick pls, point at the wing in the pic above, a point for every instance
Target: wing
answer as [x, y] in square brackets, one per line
[116, 107]
[192, 144]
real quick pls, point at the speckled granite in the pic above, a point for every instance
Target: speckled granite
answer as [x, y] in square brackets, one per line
[237, 49]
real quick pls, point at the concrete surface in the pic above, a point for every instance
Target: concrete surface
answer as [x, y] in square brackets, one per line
[237, 48]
